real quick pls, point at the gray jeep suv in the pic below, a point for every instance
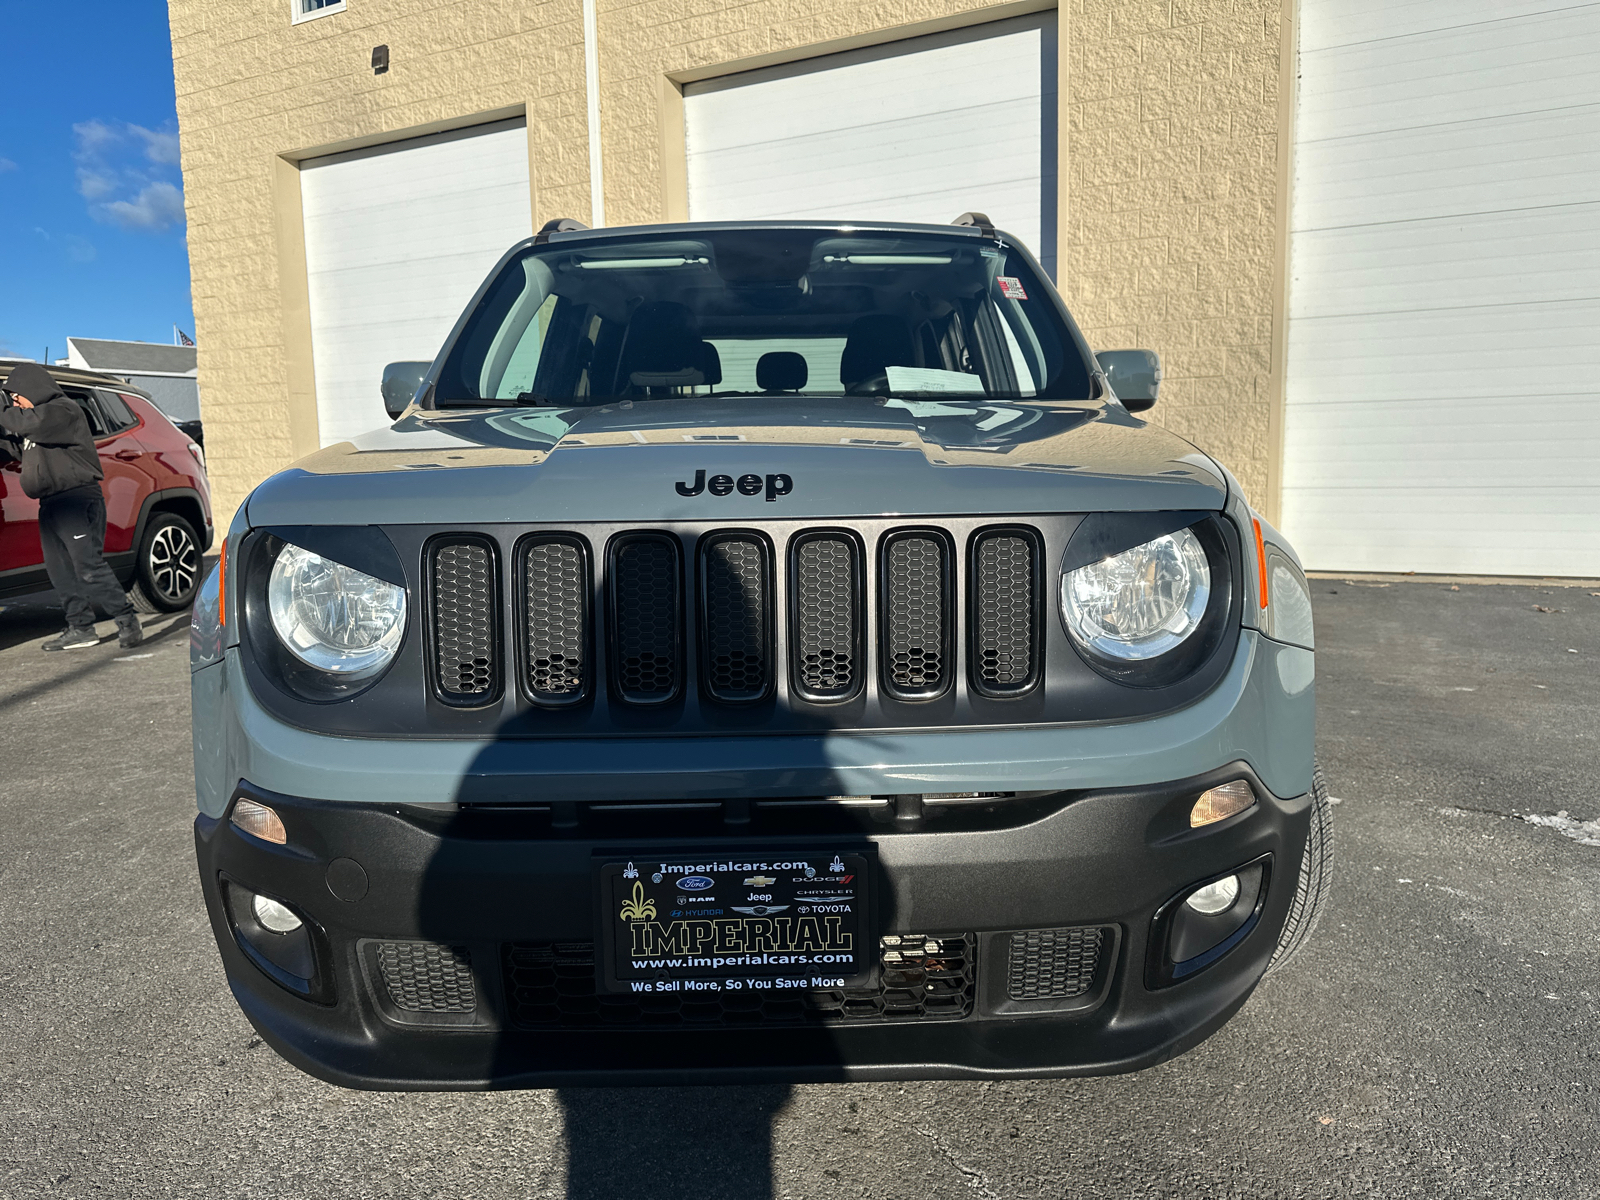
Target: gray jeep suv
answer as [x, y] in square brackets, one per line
[755, 652]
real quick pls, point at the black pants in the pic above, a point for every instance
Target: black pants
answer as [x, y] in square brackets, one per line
[72, 531]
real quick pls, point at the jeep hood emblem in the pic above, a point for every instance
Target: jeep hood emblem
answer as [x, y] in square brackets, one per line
[747, 485]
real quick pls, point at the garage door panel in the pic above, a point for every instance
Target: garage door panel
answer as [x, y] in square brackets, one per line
[1442, 407]
[920, 130]
[397, 239]
[1325, 23]
[1494, 69]
[1535, 160]
[1450, 263]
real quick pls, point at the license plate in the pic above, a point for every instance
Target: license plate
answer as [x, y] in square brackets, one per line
[745, 924]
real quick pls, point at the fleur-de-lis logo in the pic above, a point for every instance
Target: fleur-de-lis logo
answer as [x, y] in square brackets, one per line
[631, 872]
[638, 908]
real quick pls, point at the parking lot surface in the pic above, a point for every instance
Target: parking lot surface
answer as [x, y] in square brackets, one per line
[1439, 1037]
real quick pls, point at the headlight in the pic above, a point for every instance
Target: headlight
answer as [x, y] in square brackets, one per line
[333, 617]
[1142, 603]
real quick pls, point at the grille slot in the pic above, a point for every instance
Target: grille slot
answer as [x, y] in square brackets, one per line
[646, 599]
[465, 662]
[1005, 612]
[736, 601]
[1054, 964]
[916, 616]
[551, 985]
[424, 977]
[825, 591]
[556, 619]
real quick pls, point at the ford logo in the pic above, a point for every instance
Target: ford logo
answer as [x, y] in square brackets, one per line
[696, 883]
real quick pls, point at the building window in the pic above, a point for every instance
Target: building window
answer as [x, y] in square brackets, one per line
[309, 10]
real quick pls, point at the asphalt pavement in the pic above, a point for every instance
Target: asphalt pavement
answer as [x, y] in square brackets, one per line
[1440, 1036]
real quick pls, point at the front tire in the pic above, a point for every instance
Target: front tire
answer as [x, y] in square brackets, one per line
[1316, 877]
[167, 571]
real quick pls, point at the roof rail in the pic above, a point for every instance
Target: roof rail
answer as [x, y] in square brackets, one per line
[559, 225]
[978, 219]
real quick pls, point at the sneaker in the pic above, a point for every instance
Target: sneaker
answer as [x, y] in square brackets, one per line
[72, 638]
[129, 631]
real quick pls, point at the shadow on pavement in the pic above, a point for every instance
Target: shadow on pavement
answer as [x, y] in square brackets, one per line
[708, 1143]
[163, 627]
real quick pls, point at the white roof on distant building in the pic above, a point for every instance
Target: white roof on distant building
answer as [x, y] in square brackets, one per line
[130, 358]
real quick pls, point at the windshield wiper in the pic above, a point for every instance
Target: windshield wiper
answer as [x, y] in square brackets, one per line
[530, 399]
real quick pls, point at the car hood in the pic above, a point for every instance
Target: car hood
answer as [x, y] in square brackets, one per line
[815, 458]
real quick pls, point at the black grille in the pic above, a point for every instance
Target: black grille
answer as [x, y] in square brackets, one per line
[645, 618]
[736, 599]
[464, 620]
[556, 603]
[1004, 613]
[427, 978]
[827, 623]
[1053, 964]
[551, 985]
[916, 616]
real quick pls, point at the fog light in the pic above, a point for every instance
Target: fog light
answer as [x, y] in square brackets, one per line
[280, 918]
[1213, 898]
[1221, 802]
[259, 821]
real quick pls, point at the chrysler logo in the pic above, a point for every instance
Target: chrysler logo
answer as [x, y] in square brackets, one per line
[747, 485]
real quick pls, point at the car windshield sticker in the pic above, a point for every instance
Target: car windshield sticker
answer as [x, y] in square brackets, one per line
[1011, 288]
[931, 379]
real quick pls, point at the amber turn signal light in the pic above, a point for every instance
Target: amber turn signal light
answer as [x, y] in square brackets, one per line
[1220, 803]
[260, 821]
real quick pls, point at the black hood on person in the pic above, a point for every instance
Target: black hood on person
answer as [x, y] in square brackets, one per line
[34, 382]
[52, 438]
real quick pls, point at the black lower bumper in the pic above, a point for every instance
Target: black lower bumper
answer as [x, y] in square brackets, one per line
[365, 876]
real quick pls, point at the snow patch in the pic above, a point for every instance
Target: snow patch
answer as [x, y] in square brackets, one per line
[1585, 833]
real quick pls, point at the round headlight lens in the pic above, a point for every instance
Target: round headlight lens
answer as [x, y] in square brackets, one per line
[1141, 603]
[333, 617]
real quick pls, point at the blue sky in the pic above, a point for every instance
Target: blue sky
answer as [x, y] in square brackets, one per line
[91, 209]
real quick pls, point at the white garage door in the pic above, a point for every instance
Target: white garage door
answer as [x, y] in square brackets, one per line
[919, 130]
[397, 239]
[1443, 405]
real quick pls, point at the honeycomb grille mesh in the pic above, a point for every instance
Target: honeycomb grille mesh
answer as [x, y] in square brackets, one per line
[557, 619]
[645, 590]
[1053, 964]
[463, 619]
[914, 633]
[1003, 609]
[429, 978]
[826, 621]
[736, 600]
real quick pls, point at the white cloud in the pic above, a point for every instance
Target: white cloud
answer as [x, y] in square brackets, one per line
[80, 249]
[125, 172]
[6, 165]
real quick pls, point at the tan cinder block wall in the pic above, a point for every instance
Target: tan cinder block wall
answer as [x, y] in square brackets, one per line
[252, 89]
[1170, 200]
[1174, 241]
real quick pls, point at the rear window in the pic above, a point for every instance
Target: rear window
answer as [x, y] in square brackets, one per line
[764, 313]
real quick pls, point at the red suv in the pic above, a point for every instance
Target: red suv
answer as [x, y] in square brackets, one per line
[158, 503]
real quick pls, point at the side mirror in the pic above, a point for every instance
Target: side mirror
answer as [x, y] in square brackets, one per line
[400, 382]
[1134, 375]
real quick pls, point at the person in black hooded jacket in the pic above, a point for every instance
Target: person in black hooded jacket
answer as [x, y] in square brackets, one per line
[45, 428]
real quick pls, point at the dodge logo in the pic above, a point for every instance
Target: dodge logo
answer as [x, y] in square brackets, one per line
[748, 485]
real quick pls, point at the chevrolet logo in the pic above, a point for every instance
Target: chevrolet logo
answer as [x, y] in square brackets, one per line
[760, 881]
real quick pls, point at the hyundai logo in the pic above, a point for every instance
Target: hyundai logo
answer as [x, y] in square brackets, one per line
[696, 883]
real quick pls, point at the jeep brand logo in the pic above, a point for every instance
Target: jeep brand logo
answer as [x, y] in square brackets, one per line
[748, 485]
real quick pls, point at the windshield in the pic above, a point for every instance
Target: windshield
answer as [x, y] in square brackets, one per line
[762, 313]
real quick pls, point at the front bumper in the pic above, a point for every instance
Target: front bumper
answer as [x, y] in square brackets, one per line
[1103, 857]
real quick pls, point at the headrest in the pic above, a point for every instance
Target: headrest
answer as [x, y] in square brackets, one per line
[709, 362]
[874, 343]
[781, 371]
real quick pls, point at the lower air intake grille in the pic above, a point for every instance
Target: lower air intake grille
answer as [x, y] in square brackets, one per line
[463, 620]
[557, 613]
[1003, 613]
[427, 978]
[736, 594]
[1054, 964]
[915, 616]
[645, 618]
[551, 985]
[826, 617]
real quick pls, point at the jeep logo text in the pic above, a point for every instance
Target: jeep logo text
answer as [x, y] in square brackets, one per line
[747, 485]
